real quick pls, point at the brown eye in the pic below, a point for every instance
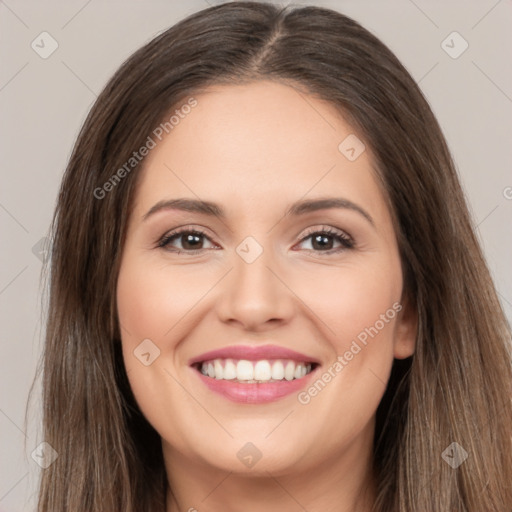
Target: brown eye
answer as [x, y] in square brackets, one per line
[325, 240]
[191, 241]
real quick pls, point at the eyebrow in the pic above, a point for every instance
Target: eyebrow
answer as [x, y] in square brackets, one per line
[298, 208]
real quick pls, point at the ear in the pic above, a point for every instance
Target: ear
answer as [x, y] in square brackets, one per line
[406, 329]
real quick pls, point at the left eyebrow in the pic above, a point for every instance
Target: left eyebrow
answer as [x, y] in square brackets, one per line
[298, 208]
[312, 205]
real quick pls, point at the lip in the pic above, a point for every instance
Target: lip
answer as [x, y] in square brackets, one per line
[254, 353]
[254, 393]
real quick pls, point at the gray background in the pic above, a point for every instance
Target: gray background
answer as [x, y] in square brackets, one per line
[43, 103]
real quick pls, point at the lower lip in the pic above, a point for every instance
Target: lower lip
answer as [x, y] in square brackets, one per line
[255, 393]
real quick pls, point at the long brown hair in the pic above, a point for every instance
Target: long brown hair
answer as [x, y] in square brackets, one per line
[456, 387]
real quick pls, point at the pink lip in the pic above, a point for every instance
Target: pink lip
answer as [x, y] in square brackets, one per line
[256, 392]
[253, 353]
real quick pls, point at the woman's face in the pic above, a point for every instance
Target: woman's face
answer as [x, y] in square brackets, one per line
[276, 281]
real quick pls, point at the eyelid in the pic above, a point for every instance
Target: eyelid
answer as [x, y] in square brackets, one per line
[326, 229]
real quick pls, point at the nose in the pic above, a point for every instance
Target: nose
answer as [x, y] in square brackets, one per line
[255, 295]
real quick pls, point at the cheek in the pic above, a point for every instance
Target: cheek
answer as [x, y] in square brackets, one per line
[358, 308]
[154, 303]
[352, 299]
[151, 300]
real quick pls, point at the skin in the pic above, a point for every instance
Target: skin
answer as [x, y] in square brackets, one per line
[254, 149]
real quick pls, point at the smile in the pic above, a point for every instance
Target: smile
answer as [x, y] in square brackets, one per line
[254, 374]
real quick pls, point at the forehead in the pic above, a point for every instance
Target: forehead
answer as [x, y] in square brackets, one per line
[258, 143]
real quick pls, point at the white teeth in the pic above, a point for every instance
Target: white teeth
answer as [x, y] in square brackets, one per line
[278, 371]
[219, 371]
[255, 371]
[289, 370]
[262, 371]
[244, 370]
[229, 370]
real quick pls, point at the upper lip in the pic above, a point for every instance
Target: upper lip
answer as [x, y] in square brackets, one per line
[253, 353]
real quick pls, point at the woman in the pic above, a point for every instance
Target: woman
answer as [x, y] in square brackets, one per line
[201, 352]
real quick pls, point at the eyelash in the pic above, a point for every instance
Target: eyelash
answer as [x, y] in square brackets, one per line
[346, 241]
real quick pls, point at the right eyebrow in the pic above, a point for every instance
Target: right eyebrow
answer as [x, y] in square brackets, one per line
[188, 205]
